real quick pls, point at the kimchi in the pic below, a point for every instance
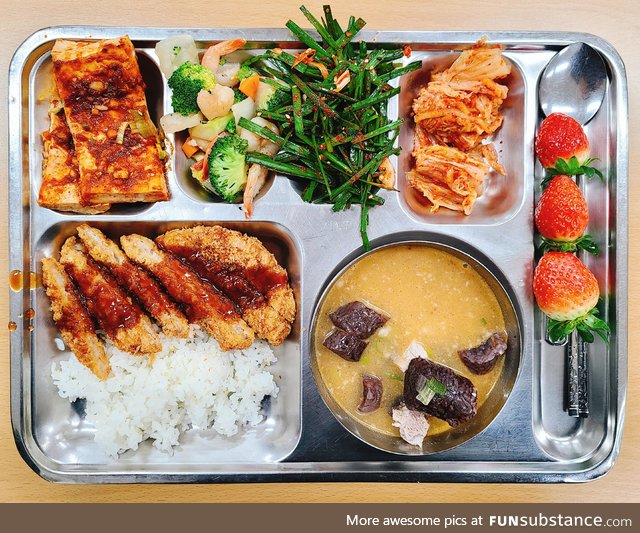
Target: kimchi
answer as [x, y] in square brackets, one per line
[455, 114]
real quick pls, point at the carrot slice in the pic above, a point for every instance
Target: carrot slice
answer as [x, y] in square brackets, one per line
[189, 147]
[249, 86]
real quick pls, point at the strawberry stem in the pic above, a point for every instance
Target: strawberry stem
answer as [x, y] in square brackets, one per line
[585, 243]
[585, 326]
[572, 168]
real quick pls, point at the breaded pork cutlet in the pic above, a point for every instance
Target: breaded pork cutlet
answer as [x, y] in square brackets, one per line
[72, 319]
[229, 258]
[121, 319]
[205, 305]
[136, 280]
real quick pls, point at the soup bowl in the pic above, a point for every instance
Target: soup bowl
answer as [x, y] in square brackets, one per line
[499, 393]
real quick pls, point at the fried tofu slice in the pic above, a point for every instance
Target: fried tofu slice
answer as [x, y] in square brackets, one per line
[205, 305]
[73, 320]
[136, 280]
[60, 188]
[237, 265]
[117, 145]
[121, 319]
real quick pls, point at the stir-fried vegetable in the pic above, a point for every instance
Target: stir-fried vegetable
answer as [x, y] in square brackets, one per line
[227, 168]
[324, 108]
[175, 51]
[335, 133]
[185, 83]
[208, 131]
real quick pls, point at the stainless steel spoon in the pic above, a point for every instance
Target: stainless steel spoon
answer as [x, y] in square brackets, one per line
[574, 83]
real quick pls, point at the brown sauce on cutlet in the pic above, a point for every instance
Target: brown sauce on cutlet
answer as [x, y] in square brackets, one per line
[104, 299]
[198, 296]
[265, 279]
[142, 284]
[258, 280]
[227, 278]
[77, 321]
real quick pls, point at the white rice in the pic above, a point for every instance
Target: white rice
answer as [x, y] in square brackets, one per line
[191, 384]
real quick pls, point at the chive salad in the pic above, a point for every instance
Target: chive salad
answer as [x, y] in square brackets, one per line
[334, 130]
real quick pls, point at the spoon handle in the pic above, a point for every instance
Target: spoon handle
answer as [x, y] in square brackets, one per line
[577, 378]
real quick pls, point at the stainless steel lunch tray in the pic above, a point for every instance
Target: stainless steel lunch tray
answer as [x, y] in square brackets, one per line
[531, 440]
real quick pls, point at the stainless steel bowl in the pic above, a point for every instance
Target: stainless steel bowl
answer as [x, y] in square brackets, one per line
[496, 400]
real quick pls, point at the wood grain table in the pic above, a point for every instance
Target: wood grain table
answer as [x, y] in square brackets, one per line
[616, 20]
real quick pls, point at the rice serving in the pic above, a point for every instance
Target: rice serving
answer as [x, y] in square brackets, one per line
[191, 384]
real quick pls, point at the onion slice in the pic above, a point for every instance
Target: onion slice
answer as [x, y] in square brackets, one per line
[174, 122]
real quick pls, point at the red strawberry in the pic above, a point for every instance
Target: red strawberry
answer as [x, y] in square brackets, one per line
[563, 148]
[562, 217]
[567, 292]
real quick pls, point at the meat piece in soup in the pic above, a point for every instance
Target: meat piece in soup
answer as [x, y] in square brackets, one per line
[371, 394]
[413, 425]
[482, 358]
[358, 319]
[458, 401]
[345, 345]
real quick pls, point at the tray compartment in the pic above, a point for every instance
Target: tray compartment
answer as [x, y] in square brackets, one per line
[64, 437]
[562, 437]
[503, 196]
[496, 400]
[40, 83]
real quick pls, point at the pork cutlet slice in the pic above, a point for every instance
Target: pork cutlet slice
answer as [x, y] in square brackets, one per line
[72, 319]
[204, 304]
[121, 319]
[136, 280]
[241, 267]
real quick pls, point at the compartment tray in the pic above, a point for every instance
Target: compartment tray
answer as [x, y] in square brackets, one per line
[532, 440]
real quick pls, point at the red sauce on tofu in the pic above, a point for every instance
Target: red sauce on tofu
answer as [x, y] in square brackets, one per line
[60, 135]
[100, 93]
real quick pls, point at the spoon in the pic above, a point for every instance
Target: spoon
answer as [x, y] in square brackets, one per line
[574, 83]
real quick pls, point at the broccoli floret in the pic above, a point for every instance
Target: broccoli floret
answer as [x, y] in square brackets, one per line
[238, 95]
[228, 168]
[244, 72]
[271, 96]
[186, 82]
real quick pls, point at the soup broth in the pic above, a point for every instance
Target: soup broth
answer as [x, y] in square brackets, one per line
[433, 298]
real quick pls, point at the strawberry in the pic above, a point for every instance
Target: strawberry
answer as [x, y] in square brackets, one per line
[562, 217]
[563, 148]
[567, 292]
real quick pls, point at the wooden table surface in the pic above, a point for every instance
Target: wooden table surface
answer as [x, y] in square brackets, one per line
[616, 20]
